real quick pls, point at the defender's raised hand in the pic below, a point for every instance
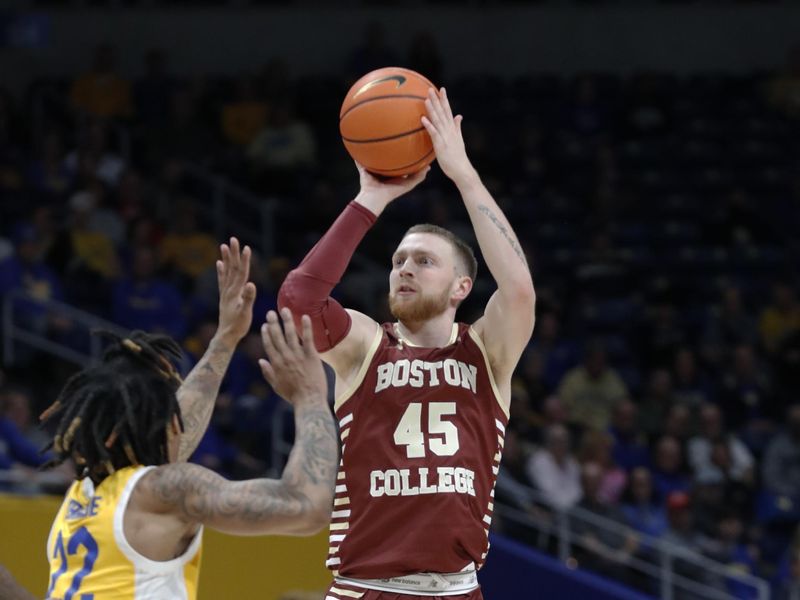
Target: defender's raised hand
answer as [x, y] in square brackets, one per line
[445, 132]
[293, 367]
[236, 293]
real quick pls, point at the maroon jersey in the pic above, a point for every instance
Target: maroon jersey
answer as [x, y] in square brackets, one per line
[422, 432]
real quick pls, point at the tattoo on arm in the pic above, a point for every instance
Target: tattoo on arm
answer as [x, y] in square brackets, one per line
[198, 394]
[258, 505]
[506, 231]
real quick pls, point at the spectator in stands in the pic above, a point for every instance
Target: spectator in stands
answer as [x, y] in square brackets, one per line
[691, 387]
[132, 201]
[679, 423]
[554, 470]
[187, 136]
[559, 354]
[532, 372]
[93, 157]
[101, 92]
[668, 469]
[630, 445]
[245, 115]
[596, 447]
[747, 396]
[787, 578]
[590, 390]
[16, 450]
[730, 548]
[186, 250]
[700, 447]
[424, 57]
[641, 505]
[25, 272]
[781, 318]
[17, 405]
[143, 301]
[661, 334]
[605, 549]
[686, 544]
[780, 467]
[85, 256]
[728, 325]
[282, 149]
[656, 403]
[153, 92]
[47, 174]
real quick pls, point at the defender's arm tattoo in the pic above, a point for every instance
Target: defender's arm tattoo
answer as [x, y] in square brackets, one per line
[198, 394]
[259, 505]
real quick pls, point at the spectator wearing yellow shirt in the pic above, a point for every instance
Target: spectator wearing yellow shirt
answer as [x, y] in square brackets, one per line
[91, 249]
[591, 390]
[187, 250]
[780, 318]
[244, 117]
[101, 92]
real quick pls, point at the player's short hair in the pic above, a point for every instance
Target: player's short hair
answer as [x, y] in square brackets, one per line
[464, 253]
[116, 414]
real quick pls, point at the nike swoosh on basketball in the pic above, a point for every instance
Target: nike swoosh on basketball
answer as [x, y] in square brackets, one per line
[400, 79]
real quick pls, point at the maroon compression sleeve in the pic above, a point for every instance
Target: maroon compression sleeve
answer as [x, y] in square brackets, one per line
[307, 288]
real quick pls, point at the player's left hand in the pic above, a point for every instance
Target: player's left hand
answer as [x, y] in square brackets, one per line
[445, 132]
[236, 293]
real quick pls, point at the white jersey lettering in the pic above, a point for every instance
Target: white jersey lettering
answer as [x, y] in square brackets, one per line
[418, 373]
[405, 482]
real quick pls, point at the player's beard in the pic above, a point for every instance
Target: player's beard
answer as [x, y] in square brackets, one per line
[421, 308]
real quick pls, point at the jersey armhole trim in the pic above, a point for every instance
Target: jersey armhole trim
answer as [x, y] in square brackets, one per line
[479, 342]
[140, 562]
[362, 372]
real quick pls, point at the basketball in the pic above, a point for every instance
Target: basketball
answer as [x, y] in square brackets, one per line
[380, 122]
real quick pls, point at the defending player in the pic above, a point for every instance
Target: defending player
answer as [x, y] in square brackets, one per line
[422, 402]
[131, 524]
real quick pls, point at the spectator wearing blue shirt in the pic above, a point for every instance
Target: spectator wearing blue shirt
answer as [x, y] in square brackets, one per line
[25, 272]
[143, 301]
[668, 472]
[641, 506]
[630, 448]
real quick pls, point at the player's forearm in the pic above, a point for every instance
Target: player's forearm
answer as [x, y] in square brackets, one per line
[198, 393]
[311, 468]
[498, 243]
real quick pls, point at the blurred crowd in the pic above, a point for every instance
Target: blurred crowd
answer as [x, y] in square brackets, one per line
[659, 214]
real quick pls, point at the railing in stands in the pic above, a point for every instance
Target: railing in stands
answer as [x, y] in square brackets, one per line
[78, 347]
[232, 208]
[660, 571]
[229, 207]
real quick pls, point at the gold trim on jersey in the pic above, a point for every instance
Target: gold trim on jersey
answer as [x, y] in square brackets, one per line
[504, 404]
[409, 343]
[362, 372]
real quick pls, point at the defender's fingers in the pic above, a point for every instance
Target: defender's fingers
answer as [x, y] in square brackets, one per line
[289, 329]
[308, 336]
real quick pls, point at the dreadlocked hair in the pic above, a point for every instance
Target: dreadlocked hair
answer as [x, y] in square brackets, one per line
[117, 413]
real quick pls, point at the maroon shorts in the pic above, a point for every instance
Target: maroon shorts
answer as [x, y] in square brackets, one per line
[377, 595]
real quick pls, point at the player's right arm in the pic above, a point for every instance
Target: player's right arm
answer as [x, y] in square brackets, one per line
[298, 503]
[343, 336]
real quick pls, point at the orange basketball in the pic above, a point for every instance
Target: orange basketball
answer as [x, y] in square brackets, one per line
[380, 122]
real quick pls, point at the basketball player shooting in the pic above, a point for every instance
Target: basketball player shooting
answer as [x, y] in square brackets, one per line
[131, 524]
[423, 402]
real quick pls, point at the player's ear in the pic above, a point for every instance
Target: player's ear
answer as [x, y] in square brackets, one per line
[462, 287]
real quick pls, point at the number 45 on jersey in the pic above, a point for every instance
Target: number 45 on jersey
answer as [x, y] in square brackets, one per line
[409, 431]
